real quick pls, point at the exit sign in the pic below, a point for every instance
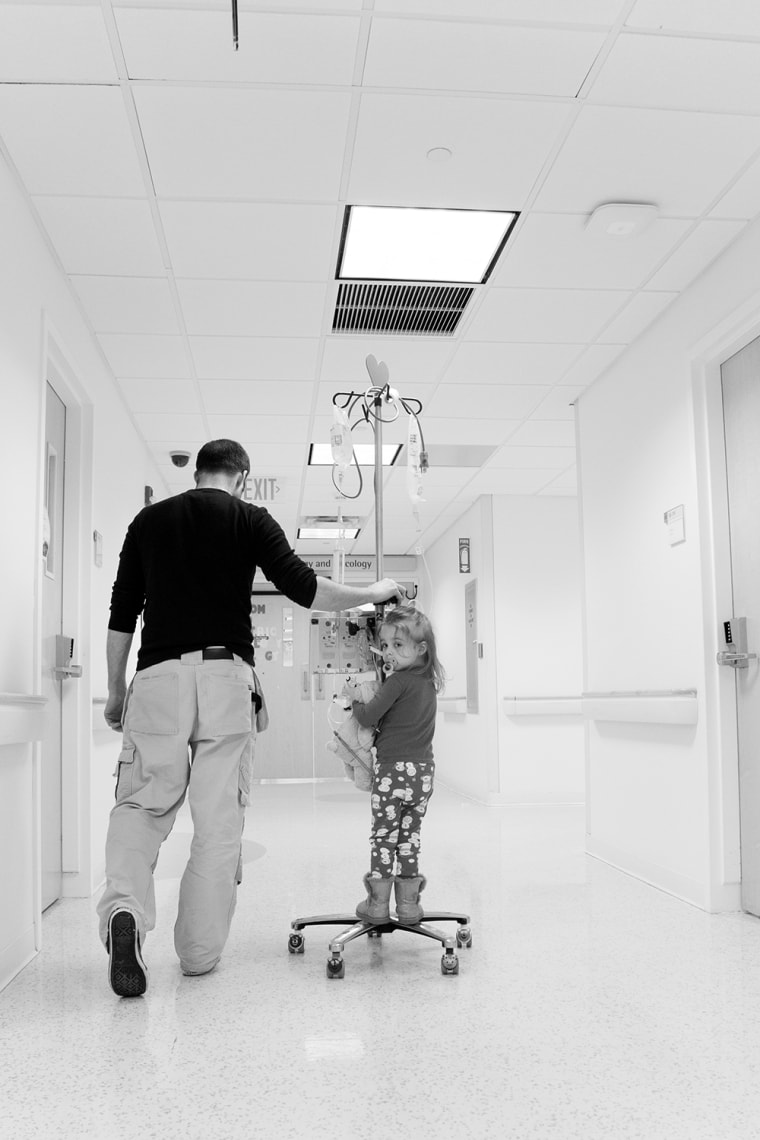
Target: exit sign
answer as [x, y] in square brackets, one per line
[261, 489]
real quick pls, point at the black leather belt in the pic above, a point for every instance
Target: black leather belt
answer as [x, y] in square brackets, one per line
[217, 653]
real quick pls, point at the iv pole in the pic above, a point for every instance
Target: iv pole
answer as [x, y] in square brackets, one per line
[380, 388]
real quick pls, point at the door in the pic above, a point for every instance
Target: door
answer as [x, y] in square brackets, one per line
[740, 378]
[52, 618]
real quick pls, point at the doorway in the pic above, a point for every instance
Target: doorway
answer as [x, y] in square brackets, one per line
[294, 746]
[740, 385]
[52, 627]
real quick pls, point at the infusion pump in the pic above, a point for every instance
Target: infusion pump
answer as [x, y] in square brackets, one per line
[341, 643]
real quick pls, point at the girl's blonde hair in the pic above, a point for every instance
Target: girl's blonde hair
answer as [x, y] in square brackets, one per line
[417, 627]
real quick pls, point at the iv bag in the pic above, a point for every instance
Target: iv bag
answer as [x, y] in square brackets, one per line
[340, 438]
[413, 467]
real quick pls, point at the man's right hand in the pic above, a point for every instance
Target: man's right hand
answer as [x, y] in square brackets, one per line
[386, 590]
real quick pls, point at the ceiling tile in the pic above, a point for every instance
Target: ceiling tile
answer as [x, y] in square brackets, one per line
[160, 357]
[687, 160]
[410, 361]
[45, 43]
[467, 430]
[701, 247]
[272, 458]
[127, 304]
[70, 140]
[593, 362]
[110, 236]
[544, 315]
[557, 251]
[500, 402]
[260, 429]
[486, 362]
[255, 397]
[251, 241]
[218, 142]
[638, 313]
[273, 47]
[558, 405]
[445, 55]
[729, 18]
[221, 5]
[549, 11]
[157, 426]
[742, 200]
[693, 74]
[509, 481]
[546, 457]
[544, 433]
[254, 358]
[165, 396]
[252, 308]
[395, 132]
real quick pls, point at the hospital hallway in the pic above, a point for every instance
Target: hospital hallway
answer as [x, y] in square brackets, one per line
[590, 1004]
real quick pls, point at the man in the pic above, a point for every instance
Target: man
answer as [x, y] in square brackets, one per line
[187, 565]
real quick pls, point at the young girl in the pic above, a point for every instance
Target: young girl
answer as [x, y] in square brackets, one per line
[404, 711]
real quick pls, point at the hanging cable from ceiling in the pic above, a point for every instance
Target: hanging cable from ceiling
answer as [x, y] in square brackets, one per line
[235, 23]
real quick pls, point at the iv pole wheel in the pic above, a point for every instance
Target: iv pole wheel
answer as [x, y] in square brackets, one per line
[336, 968]
[449, 964]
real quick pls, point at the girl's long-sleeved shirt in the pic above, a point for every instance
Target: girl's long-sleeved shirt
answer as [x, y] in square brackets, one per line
[188, 564]
[404, 711]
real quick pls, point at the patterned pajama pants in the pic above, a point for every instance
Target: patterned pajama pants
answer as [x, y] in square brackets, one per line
[400, 796]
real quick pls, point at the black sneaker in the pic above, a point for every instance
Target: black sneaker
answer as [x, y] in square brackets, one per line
[127, 973]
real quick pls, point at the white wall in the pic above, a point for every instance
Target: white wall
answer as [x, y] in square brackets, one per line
[648, 620]
[525, 557]
[539, 647]
[37, 314]
[466, 744]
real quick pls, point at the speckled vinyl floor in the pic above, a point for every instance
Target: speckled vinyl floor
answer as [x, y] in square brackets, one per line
[590, 1006]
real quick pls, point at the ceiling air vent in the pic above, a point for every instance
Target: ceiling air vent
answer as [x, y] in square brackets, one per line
[410, 310]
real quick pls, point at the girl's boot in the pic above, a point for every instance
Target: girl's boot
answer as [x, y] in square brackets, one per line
[376, 906]
[408, 890]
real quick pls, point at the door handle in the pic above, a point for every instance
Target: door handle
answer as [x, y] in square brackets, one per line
[64, 651]
[735, 660]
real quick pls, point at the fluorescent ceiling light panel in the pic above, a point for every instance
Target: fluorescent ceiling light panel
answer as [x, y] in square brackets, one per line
[324, 532]
[320, 454]
[407, 244]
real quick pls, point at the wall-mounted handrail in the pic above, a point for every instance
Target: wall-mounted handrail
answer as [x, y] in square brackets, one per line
[643, 706]
[615, 693]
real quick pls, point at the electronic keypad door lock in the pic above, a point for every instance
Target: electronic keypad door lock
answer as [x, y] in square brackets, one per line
[735, 652]
[64, 651]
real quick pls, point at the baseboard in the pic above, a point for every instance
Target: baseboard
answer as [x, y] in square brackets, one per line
[303, 780]
[680, 886]
[16, 956]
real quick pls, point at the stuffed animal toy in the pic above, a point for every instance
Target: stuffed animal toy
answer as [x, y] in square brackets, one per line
[352, 743]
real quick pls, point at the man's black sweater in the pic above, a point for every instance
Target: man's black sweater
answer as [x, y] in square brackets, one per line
[188, 565]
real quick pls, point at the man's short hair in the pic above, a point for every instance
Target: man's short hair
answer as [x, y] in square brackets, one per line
[222, 455]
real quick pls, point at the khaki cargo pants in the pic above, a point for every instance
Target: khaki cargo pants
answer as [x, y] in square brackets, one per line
[188, 729]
